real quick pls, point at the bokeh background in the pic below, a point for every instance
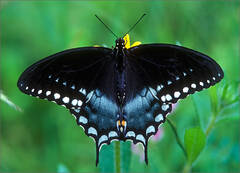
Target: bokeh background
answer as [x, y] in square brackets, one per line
[44, 137]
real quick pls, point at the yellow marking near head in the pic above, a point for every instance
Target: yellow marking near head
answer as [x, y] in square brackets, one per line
[127, 42]
[123, 123]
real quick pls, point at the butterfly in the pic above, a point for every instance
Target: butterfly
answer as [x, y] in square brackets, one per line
[120, 94]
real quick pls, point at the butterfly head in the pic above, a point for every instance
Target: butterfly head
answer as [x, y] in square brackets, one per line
[120, 43]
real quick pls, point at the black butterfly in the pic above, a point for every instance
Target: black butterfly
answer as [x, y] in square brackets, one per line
[120, 93]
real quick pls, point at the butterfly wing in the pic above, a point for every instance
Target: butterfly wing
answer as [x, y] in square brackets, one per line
[174, 71]
[81, 80]
[159, 75]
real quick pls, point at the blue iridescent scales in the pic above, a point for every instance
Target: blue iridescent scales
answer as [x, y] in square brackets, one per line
[120, 94]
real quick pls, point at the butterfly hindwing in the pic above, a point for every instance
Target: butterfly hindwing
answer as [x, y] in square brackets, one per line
[144, 115]
[175, 72]
[98, 118]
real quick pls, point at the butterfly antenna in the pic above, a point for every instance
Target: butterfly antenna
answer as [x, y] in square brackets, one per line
[135, 24]
[106, 26]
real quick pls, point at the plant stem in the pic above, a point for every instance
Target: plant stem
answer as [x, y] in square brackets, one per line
[187, 168]
[117, 157]
[210, 125]
[176, 135]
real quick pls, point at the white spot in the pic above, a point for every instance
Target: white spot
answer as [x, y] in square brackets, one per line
[191, 70]
[150, 129]
[48, 93]
[177, 94]
[83, 91]
[77, 110]
[112, 134]
[184, 74]
[64, 83]
[33, 90]
[153, 91]
[163, 98]
[177, 78]
[89, 96]
[219, 74]
[92, 130]
[39, 91]
[208, 81]
[65, 99]
[185, 89]
[56, 96]
[49, 76]
[165, 107]
[27, 88]
[213, 78]
[140, 138]
[102, 139]
[79, 102]
[169, 82]
[83, 120]
[73, 87]
[159, 87]
[168, 97]
[121, 129]
[57, 80]
[193, 85]
[130, 134]
[201, 83]
[159, 118]
[74, 102]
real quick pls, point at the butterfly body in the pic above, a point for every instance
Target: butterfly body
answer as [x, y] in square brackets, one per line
[120, 94]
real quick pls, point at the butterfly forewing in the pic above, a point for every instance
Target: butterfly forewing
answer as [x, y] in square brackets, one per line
[173, 71]
[65, 77]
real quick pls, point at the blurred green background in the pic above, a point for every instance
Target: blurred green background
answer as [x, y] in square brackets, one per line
[45, 138]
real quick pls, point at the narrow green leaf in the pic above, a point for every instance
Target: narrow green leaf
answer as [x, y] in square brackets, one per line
[194, 141]
[5, 99]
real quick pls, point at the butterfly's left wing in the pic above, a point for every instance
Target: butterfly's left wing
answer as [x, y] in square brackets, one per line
[174, 72]
[157, 76]
[81, 80]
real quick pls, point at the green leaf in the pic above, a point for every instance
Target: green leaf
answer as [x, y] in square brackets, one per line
[106, 158]
[194, 141]
[126, 155]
